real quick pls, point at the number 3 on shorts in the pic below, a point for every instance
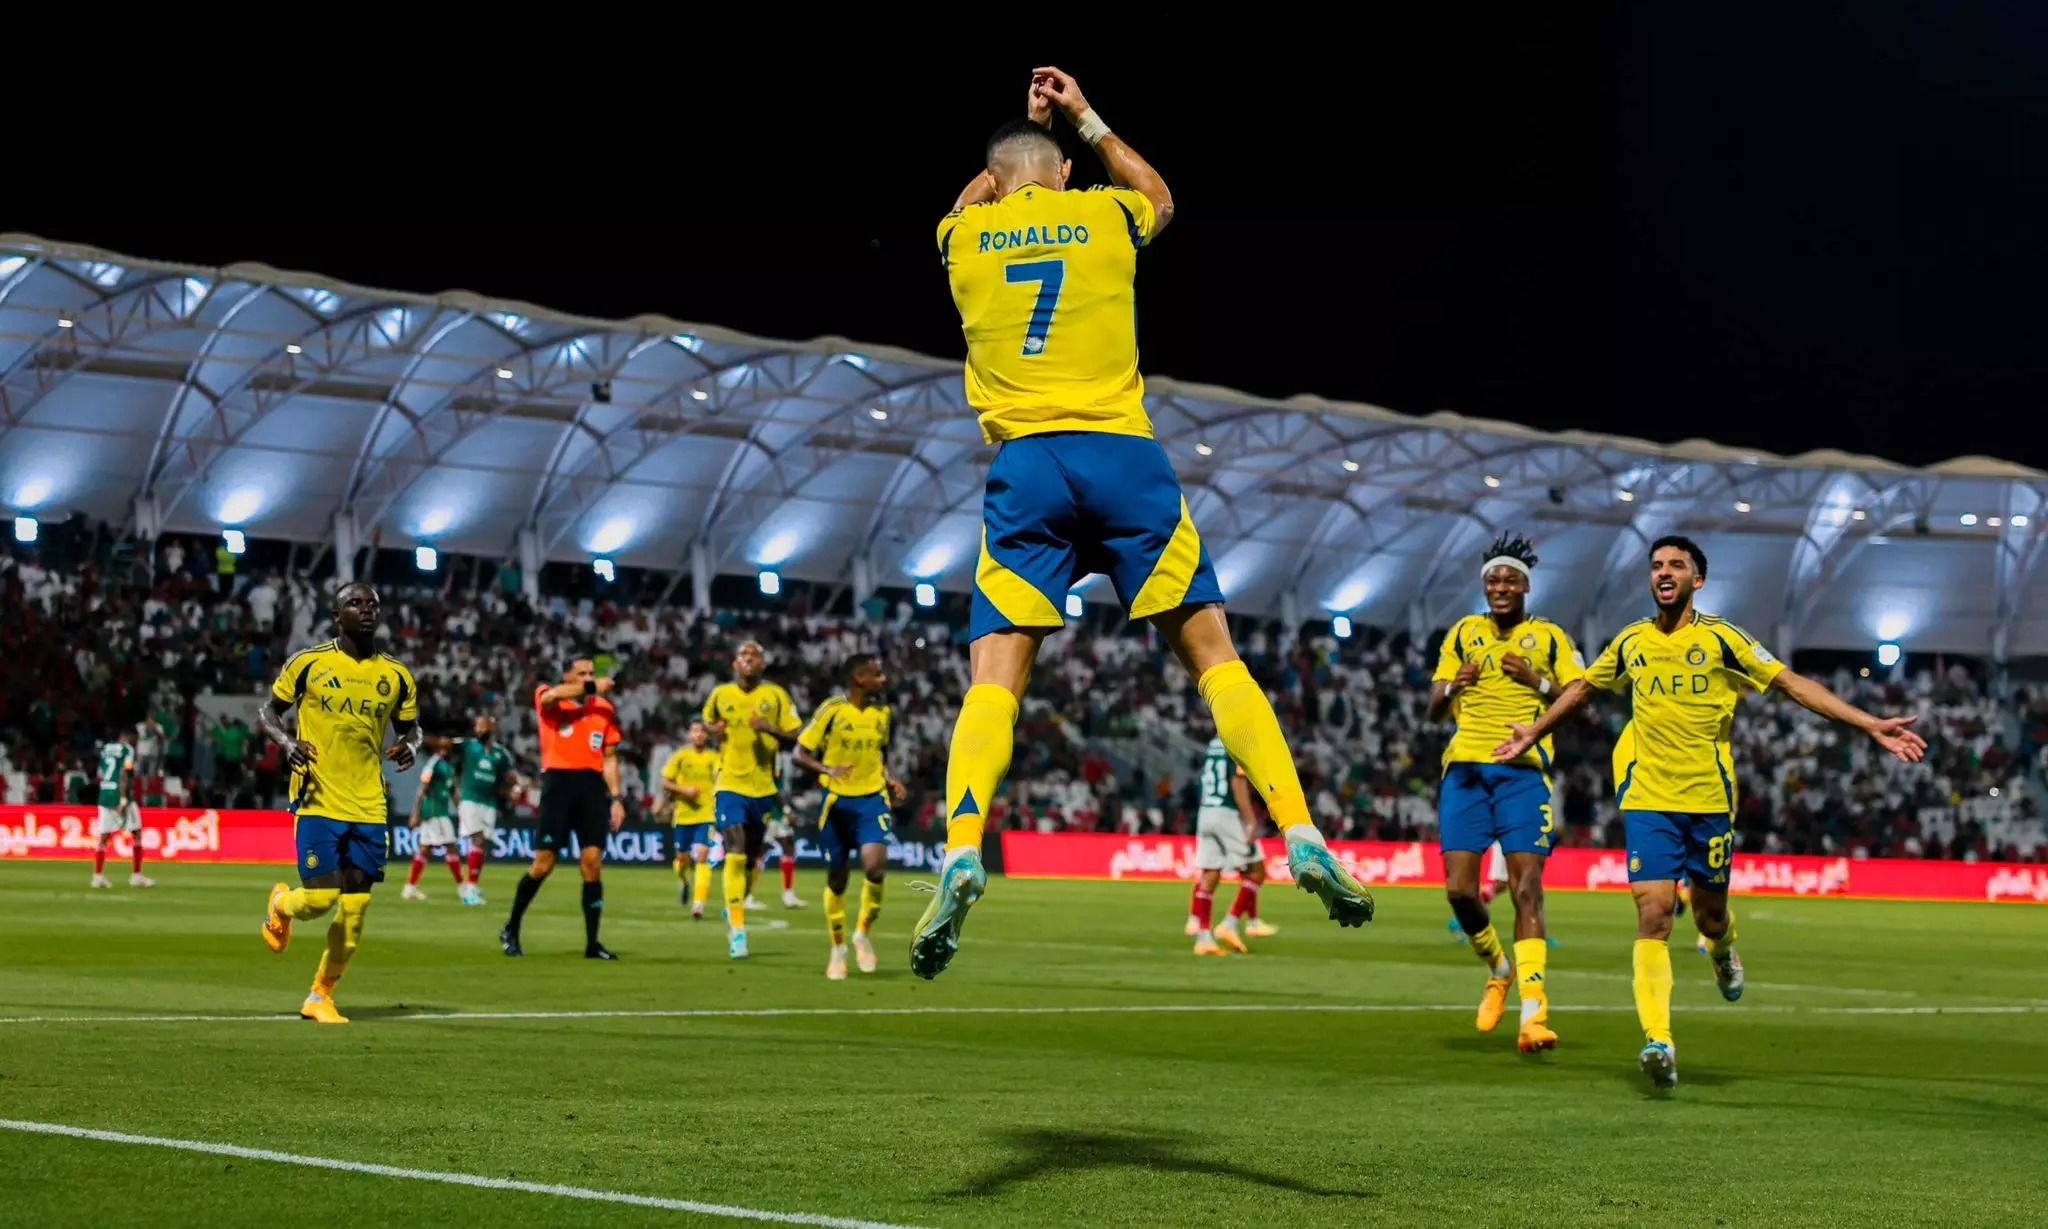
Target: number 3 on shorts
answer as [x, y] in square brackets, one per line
[1050, 276]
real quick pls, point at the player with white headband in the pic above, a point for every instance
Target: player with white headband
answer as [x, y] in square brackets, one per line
[1497, 669]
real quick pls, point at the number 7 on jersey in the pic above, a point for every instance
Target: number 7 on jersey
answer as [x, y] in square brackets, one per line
[1050, 276]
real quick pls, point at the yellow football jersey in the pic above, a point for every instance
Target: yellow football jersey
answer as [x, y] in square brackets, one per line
[750, 757]
[346, 707]
[1484, 710]
[1685, 686]
[1044, 281]
[690, 766]
[856, 738]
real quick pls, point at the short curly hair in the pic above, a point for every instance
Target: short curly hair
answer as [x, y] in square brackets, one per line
[1516, 547]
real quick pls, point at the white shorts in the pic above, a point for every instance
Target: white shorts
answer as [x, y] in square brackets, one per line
[436, 833]
[118, 819]
[477, 819]
[1220, 840]
[780, 829]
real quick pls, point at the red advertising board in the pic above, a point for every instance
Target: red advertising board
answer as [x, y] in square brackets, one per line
[169, 834]
[1077, 855]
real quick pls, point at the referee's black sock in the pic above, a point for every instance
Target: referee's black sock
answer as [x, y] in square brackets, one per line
[593, 910]
[528, 888]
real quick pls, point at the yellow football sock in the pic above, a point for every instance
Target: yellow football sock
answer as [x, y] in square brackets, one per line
[835, 916]
[1486, 946]
[870, 903]
[736, 891]
[983, 737]
[700, 890]
[344, 935]
[1653, 988]
[305, 904]
[1530, 957]
[1717, 948]
[682, 867]
[1251, 733]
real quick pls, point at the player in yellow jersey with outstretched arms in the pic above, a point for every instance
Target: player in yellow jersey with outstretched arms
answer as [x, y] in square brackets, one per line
[1043, 280]
[348, 695]
[1684, 670]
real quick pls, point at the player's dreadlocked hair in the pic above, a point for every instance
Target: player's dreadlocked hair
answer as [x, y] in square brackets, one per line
[1516, 547]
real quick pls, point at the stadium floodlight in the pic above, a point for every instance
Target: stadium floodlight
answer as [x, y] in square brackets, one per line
[1969, 519]
[927, 594]
[604, 569]
[1492, 481]
[2020, 521]
[771, 583]
[1627, 497]
[1340, 626]
[1074, 606]
[237, 541]
[1993, 521]
[295, 348]
[26, 529]
[1859, 515]
[1350, 466]
[504, 373]
[1888, 654]
[426, 558]
[1203, 450]
[698, 394]
[878, 414]
[65, 322]
[1742, 505]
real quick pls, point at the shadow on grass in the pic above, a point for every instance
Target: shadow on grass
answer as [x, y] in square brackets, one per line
[1047, 1152]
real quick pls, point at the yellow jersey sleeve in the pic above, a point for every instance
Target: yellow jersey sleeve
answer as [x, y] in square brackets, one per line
[813, 736]
[408, 707]
[711, 706]
[1746, 657]
[787, 720]
[673, 770]
[1141, 220]
[1566, 666]
[1449, 658]
[1608, 672]
[290, 686]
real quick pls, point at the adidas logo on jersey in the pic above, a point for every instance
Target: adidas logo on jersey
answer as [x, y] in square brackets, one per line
[333, 681]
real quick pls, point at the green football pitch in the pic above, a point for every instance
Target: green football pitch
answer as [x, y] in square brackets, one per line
[1077, 1066]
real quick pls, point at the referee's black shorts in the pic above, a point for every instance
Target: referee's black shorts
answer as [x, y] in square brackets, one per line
[574, 801]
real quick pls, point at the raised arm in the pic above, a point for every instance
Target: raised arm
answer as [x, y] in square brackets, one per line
[1891, 733]
[1126, 168]
[576, 691]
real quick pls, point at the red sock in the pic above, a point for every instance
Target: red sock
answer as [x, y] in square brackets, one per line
[1247, 902]
[138, 853]
[1203, 907]
[454, 864]
[419, 864]
[99, 860]
[476, 861]
[788, 874]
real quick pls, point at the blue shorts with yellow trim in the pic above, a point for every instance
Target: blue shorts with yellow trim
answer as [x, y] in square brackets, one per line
[1483, 803]
[846, 824]
[1061, 506]
[327, 845]
[734, 810]
[689, 835]
[1667, 844]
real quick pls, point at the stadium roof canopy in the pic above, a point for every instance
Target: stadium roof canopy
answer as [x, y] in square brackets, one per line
[192, 399]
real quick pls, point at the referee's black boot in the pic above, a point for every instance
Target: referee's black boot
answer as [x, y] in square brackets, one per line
[598, 951]
[508, 938]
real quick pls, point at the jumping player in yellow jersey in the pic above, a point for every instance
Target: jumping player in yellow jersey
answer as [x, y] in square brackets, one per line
[847, 745]
[348, 695]
[690, 777]
[1495, 669]
[1043, 280]
[754, 719]
[1685, 670]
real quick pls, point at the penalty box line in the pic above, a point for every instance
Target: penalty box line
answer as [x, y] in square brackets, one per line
[1081, 1009]
[587, 1194]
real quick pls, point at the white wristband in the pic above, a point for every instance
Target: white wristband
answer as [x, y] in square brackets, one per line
[1091, 127]
[1543, 687]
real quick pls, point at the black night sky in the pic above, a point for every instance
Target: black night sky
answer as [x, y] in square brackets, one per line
[1780, 226]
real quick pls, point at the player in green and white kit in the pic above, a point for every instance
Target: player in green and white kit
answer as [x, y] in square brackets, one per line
[433, 817]
[489, 775]
[1226, 832]
[118, 812]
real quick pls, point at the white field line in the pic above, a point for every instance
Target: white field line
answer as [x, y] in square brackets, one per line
[450, 1179]
[1104, 1009]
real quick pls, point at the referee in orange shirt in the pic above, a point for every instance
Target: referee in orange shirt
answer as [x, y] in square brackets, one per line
[579, 794]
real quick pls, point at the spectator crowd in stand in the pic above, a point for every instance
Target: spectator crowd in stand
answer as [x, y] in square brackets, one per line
[99, 634]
